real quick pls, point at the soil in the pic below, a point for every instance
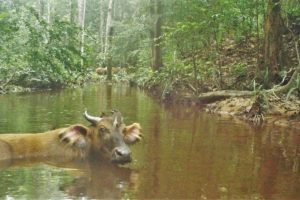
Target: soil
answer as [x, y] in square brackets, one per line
[277, 111]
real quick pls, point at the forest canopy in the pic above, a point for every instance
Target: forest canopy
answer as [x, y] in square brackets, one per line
[192, 46]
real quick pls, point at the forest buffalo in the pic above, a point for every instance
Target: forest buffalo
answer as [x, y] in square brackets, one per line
[101, 70]
[107, 137]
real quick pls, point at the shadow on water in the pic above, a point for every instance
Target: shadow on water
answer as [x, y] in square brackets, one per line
[185, 153]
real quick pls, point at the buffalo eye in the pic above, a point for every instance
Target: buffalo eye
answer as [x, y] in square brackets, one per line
[103, 130]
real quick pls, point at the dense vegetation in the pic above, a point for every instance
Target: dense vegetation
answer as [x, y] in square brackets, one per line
[190, 46]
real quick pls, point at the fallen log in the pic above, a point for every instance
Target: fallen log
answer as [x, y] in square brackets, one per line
[223, 94]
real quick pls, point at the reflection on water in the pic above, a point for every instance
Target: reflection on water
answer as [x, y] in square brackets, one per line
[102, 180]
[39, 179]
[185, 153]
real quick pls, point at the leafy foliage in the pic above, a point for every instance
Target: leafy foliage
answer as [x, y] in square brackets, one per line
[202, 43]
[37, 54]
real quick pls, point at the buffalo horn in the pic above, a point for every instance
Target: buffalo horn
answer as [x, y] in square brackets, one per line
[92, 119]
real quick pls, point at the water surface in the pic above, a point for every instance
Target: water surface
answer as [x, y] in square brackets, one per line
[186, 153]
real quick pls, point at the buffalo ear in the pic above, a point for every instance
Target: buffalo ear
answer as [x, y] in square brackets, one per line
[132, 133]
[75, 136]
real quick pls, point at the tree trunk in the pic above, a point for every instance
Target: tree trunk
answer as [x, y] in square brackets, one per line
[109, 26]
[48, 11]
[80, 12]
[156, 33]
[152, 14]
[81, 19]
[101, 26]
[257, 3]
[273, 40]
[73, 9]
[41, 6]
[108, 39]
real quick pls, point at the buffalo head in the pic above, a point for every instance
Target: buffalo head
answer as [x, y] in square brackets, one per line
[111, 137]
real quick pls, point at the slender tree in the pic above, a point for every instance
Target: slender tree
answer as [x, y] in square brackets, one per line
[101, 26]
[109, 26]
[41, 5]
[156, 12]
[108, 39]
[72, 6]
[81, 19]
[48, 11]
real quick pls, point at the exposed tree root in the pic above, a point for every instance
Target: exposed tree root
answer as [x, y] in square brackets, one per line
[256, 112]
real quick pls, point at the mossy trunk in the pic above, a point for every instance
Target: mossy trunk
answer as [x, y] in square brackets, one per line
[273, 51]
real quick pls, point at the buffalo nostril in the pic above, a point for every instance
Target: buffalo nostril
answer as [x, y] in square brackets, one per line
[119, 153]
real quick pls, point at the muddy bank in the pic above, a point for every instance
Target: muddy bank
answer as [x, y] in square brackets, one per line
[277, 111]
[257, 110]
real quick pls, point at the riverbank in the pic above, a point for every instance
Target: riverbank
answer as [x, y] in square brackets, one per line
[89, 77]
[256, 109]
[278, 111]
[32, 85]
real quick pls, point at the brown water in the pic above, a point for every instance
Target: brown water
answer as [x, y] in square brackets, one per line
[186, 153]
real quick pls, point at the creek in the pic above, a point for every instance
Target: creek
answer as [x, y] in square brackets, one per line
[185, 154]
